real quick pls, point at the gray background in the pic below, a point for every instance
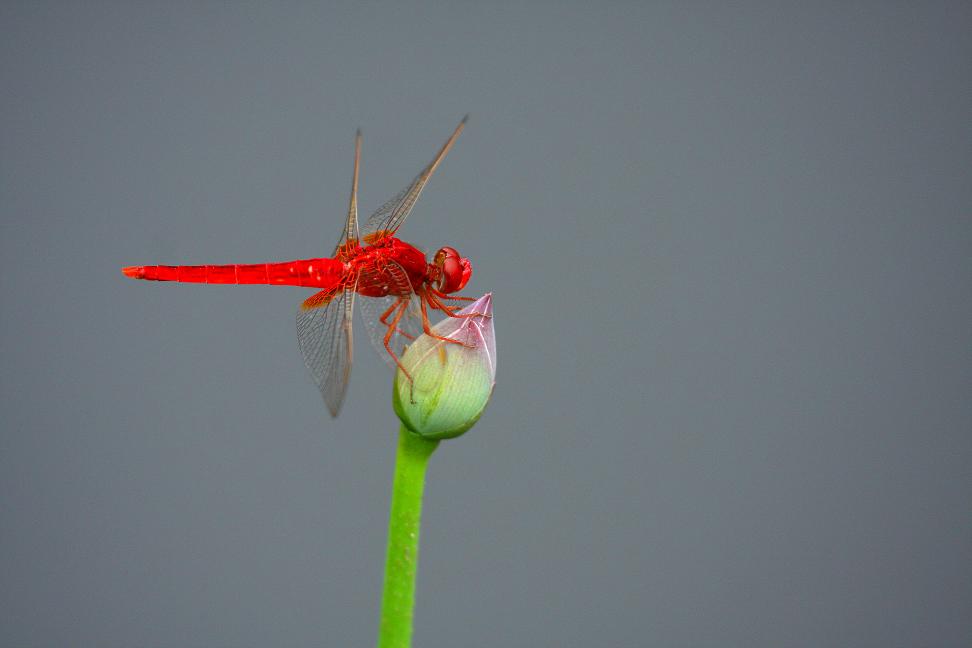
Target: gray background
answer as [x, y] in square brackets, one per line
[730, 253]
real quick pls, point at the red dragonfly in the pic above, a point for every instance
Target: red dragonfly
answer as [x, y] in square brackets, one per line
[398, 284]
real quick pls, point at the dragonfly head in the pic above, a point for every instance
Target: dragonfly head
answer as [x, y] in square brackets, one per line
[453, 270]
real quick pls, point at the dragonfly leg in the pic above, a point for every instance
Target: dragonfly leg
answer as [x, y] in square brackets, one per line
[384, 320]
[402, 304]
[427, 327]
[436, 303]
[443, 295]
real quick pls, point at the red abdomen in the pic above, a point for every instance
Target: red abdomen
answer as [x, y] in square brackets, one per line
[313, 273]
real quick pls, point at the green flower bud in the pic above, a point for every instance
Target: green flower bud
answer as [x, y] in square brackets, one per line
[451, 383]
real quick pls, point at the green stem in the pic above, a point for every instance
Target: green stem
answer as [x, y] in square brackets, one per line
[401, 562]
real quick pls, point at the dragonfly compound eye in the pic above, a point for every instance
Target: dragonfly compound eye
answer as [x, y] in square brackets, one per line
[454, 271]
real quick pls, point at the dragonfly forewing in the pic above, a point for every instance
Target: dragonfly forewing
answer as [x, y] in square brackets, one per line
[390, 216]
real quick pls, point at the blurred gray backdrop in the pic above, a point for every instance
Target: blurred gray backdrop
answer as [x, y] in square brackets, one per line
[731, 254]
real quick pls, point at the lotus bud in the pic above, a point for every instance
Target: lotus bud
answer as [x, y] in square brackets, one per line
[451, 383]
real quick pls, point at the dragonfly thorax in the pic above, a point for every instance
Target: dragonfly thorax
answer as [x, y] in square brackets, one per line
[391, 267]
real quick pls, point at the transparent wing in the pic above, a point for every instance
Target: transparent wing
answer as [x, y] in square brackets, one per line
[350, 232]
[379, 313]
[324, 338]
[409, 325]
[324, 319]
[377, 226]
[391, 215]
